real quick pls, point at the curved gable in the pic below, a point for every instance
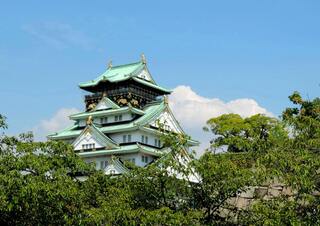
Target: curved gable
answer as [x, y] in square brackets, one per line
[94, 139]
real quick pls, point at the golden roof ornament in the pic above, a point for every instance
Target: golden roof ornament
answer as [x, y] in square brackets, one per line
[89, 120]
[110, 64]
[166, 100]
[143, 59]
[113, 158]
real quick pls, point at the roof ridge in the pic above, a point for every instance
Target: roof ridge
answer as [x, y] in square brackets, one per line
[124, 65]
[155, 102]
[102, 134]
[146, 118]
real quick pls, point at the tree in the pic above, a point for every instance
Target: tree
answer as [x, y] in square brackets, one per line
[297, 170]
[223, 177]
[46, 183]
[40, 185]
[38, 182]
[304, 121]
[237, 134]
[296, 164]
[3, 124]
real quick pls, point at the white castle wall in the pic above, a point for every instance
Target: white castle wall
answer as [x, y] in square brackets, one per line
[136, 156]
[136, 136]
[111, 119]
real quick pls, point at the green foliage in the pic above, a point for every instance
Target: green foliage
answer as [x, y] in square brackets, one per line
[304, 121]
[46, 183]
[256, 133]
[3, 124]
[223, 177]
[277, 211]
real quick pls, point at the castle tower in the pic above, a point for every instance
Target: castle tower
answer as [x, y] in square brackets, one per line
[121, 119]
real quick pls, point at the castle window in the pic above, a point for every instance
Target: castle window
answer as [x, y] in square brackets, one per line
[129, 138]
[144, 159]
[124, 138]
[157, 143]
[88, 146]
[103, 120]
[133, 160]
[103, 164]
[118, 118]
[144, 139]
[167, 127]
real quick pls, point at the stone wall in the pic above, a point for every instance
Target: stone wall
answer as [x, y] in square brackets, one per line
[243, 201]
[265, 192]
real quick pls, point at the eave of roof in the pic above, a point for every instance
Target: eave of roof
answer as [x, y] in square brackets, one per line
[83, 115]
[122, 73]
[150, 113]
[106, 100]
[101, 136]
[149, 84]
[127, 149]
[115, 74]
[117, 165]
[159, 133]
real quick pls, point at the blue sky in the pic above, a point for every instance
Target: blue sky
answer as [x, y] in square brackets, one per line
[262, 50]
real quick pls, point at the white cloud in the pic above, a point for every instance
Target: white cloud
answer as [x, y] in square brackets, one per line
[192, 111]
[58, 121]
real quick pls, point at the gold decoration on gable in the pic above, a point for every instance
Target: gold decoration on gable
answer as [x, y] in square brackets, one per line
[135, 102]
[91, 106]
[89, 120]
[143, 58]
[110, 64]
[88, 132]
[165, 99]
[122, 101]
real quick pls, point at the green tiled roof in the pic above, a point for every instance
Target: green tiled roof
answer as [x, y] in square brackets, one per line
[115, 74]
[109, 102]
[149, 84]
[66, 133]
[105, 139]
[83, 115]
[122, 73]
[126, 149]
[157, 132]
[149, 112]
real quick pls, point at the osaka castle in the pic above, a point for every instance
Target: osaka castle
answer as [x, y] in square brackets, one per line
[123, 111]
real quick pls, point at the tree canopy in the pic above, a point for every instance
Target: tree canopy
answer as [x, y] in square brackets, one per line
[47, 183]
[237, 134]
[304, 121]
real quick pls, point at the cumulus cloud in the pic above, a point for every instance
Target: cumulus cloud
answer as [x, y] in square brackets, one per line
[58, 121]
[193, 110]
